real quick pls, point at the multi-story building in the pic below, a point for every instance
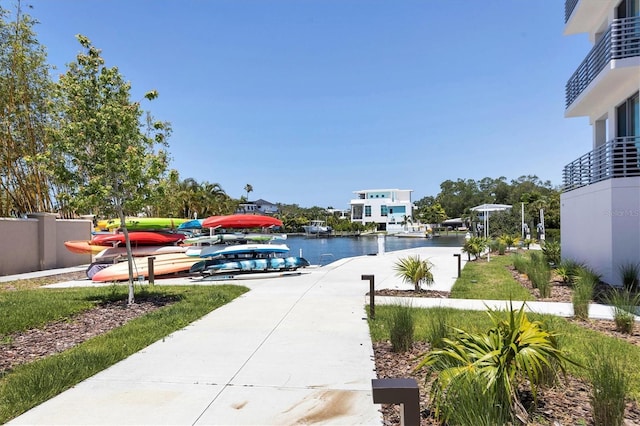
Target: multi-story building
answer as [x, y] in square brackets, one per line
[257, 207]
[600, 203]
[388, 208]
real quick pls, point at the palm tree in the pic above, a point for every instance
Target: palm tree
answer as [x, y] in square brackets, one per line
[474, 246]
[248, 188]
[187, 191]
[414, 270]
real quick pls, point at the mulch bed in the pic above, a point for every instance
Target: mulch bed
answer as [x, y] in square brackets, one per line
[565, 404]
[58, 336]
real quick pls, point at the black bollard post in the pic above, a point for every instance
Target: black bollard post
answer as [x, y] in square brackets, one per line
[150, 260]
[459, 262]
[372, 296]
[399, 391]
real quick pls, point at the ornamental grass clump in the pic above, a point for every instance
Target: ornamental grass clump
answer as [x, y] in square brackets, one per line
[401, 328]
[539, 273]
[520, 262]
[630, 275]
[514, 352]
[584, 285]
[609, 386]
[625, 305]
[437, 328]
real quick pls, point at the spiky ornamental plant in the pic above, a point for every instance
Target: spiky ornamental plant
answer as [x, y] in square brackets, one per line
[475, 246]
[414, 270]
[513, 350]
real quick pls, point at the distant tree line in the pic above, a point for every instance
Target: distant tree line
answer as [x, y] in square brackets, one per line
[456, 198]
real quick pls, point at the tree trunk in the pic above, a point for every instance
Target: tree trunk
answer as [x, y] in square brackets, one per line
[123, 225]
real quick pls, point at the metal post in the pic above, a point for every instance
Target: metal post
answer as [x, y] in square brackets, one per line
[399, 391]
[372, 296]
[458, 256]
[150, 260]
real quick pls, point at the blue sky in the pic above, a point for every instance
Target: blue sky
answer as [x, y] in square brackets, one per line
[310, 100]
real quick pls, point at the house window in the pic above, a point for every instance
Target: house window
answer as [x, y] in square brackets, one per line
[367, 211]
[383, 211]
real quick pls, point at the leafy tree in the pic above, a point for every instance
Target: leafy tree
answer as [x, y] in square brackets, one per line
[104, 156]
[25, 88]
[456, 197]
[505, 222]
[432, 214]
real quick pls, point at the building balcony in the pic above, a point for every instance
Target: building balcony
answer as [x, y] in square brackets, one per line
[613, 60]
[569, 7]
[584, 16]
[617, 158]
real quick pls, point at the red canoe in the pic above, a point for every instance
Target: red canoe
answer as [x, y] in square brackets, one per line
[241, 221]
[139, 238]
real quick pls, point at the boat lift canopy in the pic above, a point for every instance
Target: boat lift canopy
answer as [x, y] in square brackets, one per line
[486, 209]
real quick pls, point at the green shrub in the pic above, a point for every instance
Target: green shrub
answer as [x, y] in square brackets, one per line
[401, 328]
[551, 234]
[609, 387]
[551, 251]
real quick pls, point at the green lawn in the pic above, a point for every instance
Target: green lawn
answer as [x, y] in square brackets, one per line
[31, 384]
[491, 280]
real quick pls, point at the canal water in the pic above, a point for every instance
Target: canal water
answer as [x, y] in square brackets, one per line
[321, 251]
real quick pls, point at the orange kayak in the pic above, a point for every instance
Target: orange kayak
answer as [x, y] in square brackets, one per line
[83, 247]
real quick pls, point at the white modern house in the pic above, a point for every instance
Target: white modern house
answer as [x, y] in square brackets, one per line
[257, 207]
[388, 208]
[600, 203]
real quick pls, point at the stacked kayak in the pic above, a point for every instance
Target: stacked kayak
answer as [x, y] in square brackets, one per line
[163, 264]
[244, 258]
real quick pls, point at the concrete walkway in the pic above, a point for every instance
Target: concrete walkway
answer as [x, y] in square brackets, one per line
[294, 350]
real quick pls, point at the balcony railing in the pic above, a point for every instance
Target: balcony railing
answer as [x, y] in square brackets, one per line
[569, 5]
[615, 159]
[621, 40]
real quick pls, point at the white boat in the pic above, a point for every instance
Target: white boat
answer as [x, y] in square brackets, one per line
[412, 234]
[317, 227]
